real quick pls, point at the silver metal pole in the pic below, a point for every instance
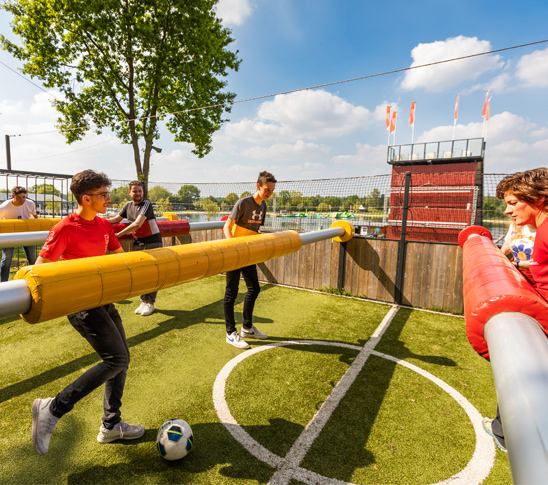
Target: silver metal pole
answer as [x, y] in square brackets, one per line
[315, 236]
[204, 226]
[14, 298]
[518, 348]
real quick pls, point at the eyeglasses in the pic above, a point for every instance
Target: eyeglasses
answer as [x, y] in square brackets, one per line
[104, 195]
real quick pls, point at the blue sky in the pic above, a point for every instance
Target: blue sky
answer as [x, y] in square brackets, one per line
[339, 130]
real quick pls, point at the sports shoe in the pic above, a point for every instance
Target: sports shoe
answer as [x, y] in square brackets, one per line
[253, 333]
[235, 340]
[140, 308]
[487, 424]
[43, 423]
[148, 309]
[121, 431]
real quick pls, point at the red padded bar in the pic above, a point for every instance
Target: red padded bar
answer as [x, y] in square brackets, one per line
[491, 285]
[167, 229]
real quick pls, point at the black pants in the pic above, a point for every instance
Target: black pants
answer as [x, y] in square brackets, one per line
[102, 328]
[149, 297]
[232, 283]
[496, 427]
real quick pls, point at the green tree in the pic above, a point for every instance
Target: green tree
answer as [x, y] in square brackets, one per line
[231, 198]
[44, 189]
[189, 194]
[245, 194]
[283, 198]
[119, 194]
[128, 65]
[157, 193]
[494, 208]
[163, 205]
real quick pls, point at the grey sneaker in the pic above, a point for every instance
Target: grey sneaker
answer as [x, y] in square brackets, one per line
[235, 340]
[140, 308]
[148, 309]
[253, 333]
[121, 431]
[487, 424]
[43, 423]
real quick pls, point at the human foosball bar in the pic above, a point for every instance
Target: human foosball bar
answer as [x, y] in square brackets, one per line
[167, 229]
[506, 321]
[43, 292]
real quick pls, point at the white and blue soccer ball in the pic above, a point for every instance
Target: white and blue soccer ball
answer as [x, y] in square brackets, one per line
[174, 439]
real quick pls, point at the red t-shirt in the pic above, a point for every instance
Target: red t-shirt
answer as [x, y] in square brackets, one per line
[538, 265]
[75, 238]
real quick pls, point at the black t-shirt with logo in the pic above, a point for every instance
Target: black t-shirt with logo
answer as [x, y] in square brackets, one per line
[149, 231]
[247, 213]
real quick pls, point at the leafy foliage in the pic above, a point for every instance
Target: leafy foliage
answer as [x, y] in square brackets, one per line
[128, 65]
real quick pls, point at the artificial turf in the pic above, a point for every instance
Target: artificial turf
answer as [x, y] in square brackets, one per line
[392, 426]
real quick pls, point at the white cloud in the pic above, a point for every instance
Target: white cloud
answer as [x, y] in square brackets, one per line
[234, 12]
[444, 76]
[285, 151]
[532, 69]
[369, 158]
[499, 84]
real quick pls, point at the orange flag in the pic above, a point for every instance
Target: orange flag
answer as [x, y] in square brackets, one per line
[393, 121]
[457, 107]
[388, 109]
[412, 114]
[484, 112]
[487, 110]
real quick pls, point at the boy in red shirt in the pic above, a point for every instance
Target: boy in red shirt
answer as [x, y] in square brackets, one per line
[83, 235]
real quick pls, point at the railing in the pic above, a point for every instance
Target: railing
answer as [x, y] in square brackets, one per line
[420, 152]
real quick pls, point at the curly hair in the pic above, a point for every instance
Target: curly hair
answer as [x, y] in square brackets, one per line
[84, 182]
[529, 186]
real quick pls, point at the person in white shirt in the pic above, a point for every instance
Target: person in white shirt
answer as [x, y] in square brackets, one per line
[18, 207]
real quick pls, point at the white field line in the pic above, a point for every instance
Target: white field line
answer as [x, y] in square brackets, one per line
[303, 443]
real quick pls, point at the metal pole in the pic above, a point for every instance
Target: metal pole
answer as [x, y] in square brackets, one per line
[518, 349]
[400, 268]
[8, 153]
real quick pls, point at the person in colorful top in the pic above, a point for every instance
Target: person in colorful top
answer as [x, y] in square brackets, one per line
[18, 207]
[525, 195]
[246, 218]
[83, 235]
[519, 242]
[145, 231]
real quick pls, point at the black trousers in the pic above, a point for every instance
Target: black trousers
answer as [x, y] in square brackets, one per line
[102, 328]
[496, 427]
[251, 279]
[148, 297]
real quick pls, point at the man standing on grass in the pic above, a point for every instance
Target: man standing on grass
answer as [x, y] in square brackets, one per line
[83, 235]
[140, 214]
[246, 219]
[18, 207]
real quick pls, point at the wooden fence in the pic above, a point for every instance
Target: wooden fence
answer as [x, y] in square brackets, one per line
[432, 276]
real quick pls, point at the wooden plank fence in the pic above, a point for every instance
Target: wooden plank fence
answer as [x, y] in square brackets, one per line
[432, 276]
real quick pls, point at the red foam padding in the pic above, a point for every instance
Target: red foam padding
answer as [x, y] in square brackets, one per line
[167, 229]
[491, 285]
[466, 233]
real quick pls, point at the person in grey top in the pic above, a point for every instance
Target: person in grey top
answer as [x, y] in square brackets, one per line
[143, 226]
[246, 219]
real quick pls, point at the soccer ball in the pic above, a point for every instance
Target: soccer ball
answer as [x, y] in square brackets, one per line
[174, 439]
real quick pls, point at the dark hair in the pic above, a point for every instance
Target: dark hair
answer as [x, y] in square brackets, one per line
[266, 177]
[18, 190]
[138, 183]
[84, 182]
[529, 186]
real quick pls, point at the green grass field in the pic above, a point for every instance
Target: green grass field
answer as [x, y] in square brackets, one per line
[392, 425]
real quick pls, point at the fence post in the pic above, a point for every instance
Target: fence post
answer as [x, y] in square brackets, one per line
[8, 153]
[342, 266]
[402, 246]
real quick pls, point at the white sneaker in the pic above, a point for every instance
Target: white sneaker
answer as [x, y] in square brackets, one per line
[253, 333]
[43, 423]
[148, 309]
[121, 431]
[235, 340]
[140, 308]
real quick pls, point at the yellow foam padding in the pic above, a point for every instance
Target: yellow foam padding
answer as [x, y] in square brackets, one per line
[239, 231]
[171, 216]
[66, 287]
[348, 231]
[27, 225]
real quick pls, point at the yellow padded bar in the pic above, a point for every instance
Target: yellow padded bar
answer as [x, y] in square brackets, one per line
[67, 287]
[27, 225]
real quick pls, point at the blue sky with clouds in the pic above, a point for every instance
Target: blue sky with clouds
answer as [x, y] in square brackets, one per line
[339, 130]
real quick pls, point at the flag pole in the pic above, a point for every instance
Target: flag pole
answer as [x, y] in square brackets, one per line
[456, 115]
